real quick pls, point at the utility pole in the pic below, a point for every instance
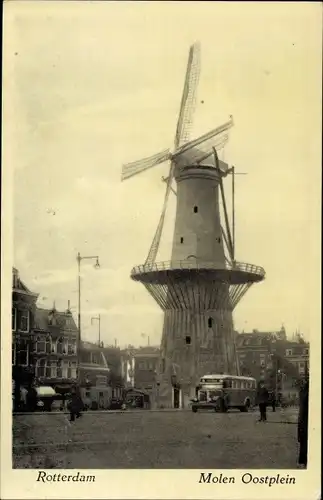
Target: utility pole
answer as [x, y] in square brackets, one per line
[79, 259]
[97, 318]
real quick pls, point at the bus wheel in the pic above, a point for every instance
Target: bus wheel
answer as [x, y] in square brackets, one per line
[194, 410]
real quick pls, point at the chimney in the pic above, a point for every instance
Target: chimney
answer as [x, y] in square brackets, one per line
[68, 310]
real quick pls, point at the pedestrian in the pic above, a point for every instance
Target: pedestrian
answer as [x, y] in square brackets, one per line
[76, 404]
[262, 400]
[303, 425]
[31, 397]
[273, 401]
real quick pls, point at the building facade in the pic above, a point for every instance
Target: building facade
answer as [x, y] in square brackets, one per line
[55, 348]
[271, 357]
[23, 316]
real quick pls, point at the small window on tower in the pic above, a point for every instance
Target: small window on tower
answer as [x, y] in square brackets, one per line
[210, 322]
[196, 209]
[182, 239]
[188, 340]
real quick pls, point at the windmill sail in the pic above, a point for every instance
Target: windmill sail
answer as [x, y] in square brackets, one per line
[189, 96]
[136, 167]
[182, 135]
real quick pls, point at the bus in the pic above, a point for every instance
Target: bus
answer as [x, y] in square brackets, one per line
[223, 392]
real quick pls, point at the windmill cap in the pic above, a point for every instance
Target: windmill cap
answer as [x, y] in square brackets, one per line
[192, 156]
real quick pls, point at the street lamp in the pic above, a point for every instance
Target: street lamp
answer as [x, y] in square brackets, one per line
[97, 318]
[79, 259]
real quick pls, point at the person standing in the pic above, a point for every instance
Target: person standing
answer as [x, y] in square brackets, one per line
[273, 401]
[303, 425]
[262, 400]
[76, 404]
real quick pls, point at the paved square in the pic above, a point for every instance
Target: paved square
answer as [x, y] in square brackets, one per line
[162, 439]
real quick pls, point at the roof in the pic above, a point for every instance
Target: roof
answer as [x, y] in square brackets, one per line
[46, 318]
[19, 286]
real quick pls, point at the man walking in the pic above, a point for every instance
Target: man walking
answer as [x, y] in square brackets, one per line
[262, 400]
[76, 404]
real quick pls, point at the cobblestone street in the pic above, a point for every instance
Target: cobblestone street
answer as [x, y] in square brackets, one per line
[147, 439]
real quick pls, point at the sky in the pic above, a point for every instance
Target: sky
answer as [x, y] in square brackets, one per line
[92, 85]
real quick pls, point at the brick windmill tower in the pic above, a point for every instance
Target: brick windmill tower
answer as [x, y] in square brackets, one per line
[202, 283]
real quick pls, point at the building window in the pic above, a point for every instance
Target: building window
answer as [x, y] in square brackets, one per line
[71, 347]
[210, 322]
[64, 369]
[59, 369]
[74, 369]
[40, 344]
[24, 321]
[40, 368]
[188, 340]
[289, 352]
[60, 345]
[95, 358]
[195, 209]
[53, 346]
[306, 352]
[22, 353]
[182, 239]
[14, 319]
[53, 369]
[48, 346]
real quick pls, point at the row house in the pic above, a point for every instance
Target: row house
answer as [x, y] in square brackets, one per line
[22, 322]
[94, 375]
[55, 348]
[139, 370]
[297, 353]
[272, 357]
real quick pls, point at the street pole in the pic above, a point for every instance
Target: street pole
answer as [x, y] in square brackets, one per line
[79, 258]
[98, 318]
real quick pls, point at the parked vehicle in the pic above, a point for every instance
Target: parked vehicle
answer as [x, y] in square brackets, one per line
[47, 399]
[116, 404]
[222, 392]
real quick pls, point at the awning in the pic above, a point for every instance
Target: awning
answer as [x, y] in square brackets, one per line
[45, 391]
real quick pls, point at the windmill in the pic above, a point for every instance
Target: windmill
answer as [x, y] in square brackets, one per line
[199, 288]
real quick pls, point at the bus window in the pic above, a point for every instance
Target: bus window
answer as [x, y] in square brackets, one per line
[227, 384]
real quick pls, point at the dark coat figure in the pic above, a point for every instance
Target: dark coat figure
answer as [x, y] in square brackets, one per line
[75, 405]
[31, 399]
[303, 424]
[262, 400]
[273, 400]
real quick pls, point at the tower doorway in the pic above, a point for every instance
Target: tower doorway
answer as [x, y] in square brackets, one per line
[176, 397]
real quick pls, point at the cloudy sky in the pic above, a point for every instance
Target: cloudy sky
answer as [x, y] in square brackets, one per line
[94, 85]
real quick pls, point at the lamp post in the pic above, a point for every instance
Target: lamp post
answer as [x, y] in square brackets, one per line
[79, 259]
[97, 318]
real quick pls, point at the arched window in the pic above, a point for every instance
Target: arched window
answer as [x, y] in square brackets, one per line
[48, 344]
[60, 345]
[54, 346]
[196, 209]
